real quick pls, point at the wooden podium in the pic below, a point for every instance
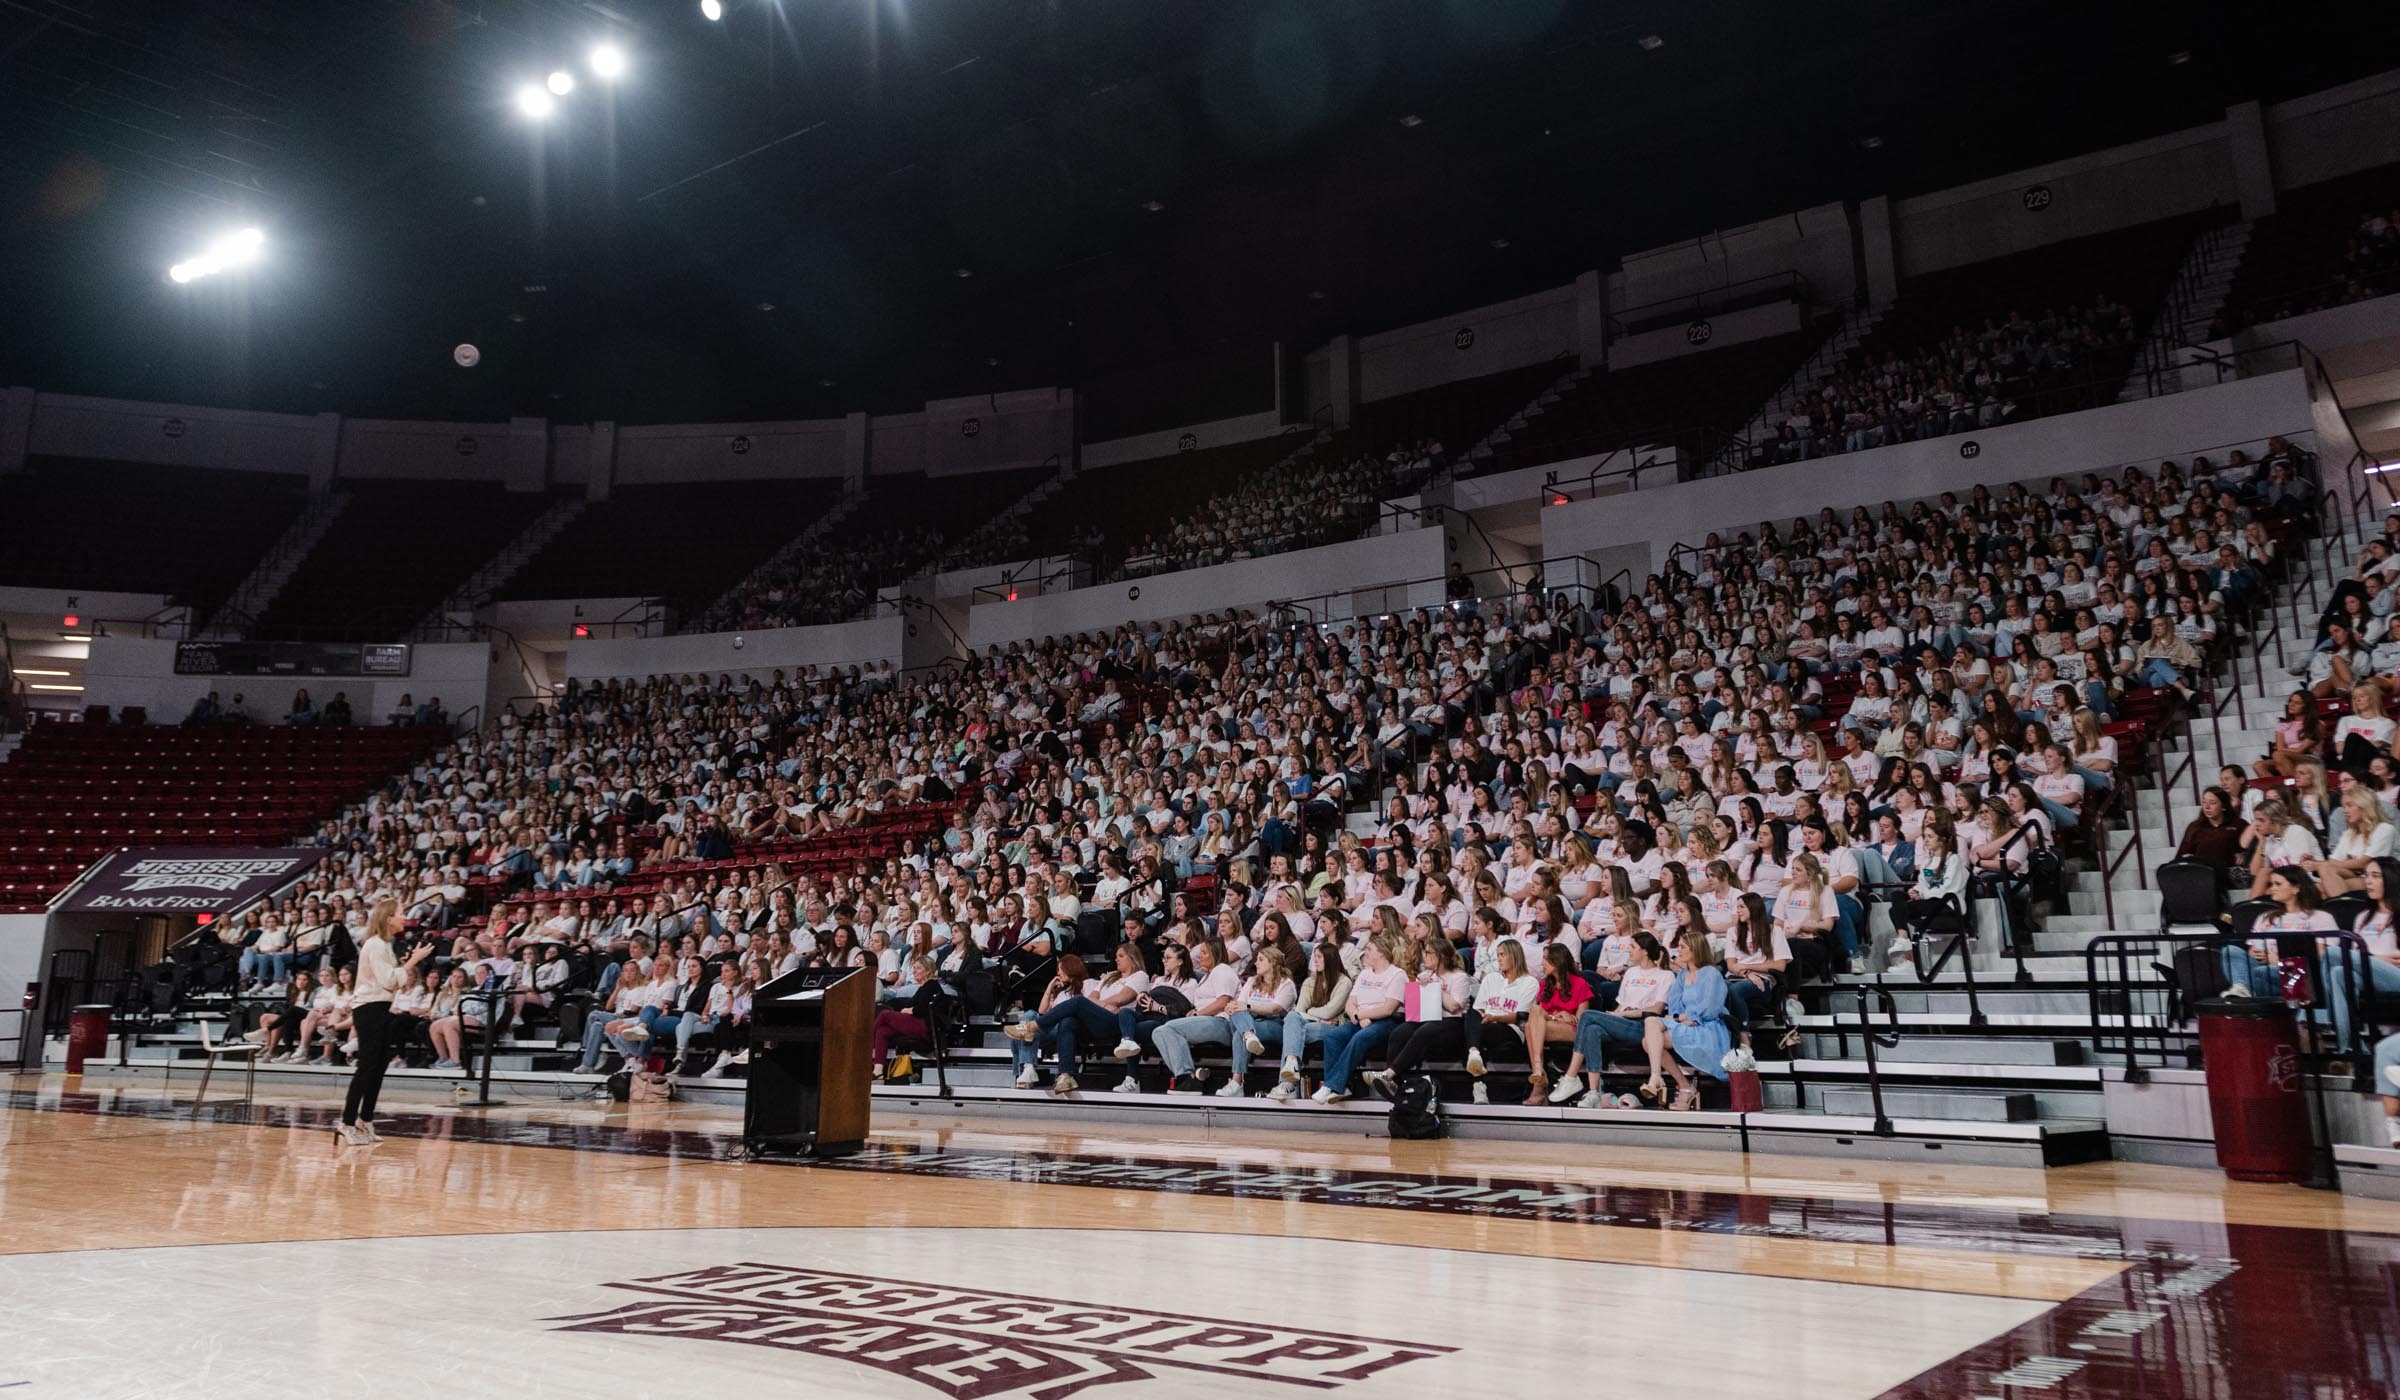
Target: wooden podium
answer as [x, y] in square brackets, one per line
[811, 1079]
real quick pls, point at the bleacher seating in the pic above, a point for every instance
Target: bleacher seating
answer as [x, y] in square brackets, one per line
[687, 544]
[188, 533]
[1126, 501]
[74, 792]
[1691, 403]
[2315, 251]
[392, 555]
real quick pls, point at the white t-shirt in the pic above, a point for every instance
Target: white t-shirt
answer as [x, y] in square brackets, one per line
[1499, 996]
[1221, 981]
[1643, 989]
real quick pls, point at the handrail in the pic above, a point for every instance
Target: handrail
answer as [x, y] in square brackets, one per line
[1716, 300]
[1874, 1040]
[1959, 947]
[1589, 482]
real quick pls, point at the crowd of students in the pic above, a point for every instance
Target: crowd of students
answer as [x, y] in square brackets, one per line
[1690, 797]
[1272, 512]
[1968, 379]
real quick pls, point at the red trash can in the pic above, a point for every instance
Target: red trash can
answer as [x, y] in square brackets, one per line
[87, 1036]
[2251, 1050]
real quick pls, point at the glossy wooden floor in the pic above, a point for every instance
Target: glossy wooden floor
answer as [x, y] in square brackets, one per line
[117, 1168]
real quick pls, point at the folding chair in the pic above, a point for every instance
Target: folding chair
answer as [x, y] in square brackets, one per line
[216, 1050]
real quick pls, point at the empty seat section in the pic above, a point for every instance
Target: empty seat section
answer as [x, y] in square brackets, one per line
[1691, 402]
[392, 555]
[686, 544]
[189, 533]
[71, 793]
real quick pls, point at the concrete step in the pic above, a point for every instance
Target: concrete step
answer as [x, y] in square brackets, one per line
[1984, 1050]
[1948, 1105]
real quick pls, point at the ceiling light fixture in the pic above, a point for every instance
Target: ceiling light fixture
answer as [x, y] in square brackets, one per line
[535, 101]
[712, 9]
[766, 306]
[2179, 58]
[560, 82]
[963, 273]
[71, 689]
[239, 248]
[29, 671]
[607, 61]
[1499, 243]
[1152, 205]
[1872, 143]
[1651, 43]
[1412, 121]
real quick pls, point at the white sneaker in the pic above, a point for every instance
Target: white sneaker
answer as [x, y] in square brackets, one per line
[1233, 1090]
[1285, 1091]
[1378, 1082]
[367, 1130]
[2392, 1073]
[1858, 966]
[1253, 1044]
[1028, 1077]
[1475, 1062]
[1482, 1094]
[1902, 950]
[741, 1057]
[1026, 1031]
[717, 1070]
[350, 1046]
[1793, 1011]
[1063, 1085]
[1328, 1094]
[1564, 1090]
[2392, 1127]
[1594, 1099]
[636, 1032]
[1127, 1085]
[1127, 1050]
[255, 1038]
[1291, 1069]
[350, 1134]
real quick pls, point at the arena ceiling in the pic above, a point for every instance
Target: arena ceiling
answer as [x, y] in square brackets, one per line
[770, 215]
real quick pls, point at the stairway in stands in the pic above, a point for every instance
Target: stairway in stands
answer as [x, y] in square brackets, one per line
[74, 792]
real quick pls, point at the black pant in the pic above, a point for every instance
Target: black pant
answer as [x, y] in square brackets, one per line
[372, 1023]
[1415, 1042]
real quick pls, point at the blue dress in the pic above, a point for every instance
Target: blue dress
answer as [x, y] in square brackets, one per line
[1702, 998]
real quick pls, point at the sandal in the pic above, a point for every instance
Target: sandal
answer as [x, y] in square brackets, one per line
[1685, 1100]
[1535, 1097]
[1653, 1092]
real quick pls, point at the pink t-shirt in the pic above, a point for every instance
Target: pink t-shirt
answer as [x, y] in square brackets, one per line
[1385, 988]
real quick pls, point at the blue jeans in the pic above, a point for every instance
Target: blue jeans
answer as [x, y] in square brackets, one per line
[1849, 916]
[1176, 1038]
[1348, 1045]
[1595, 1031]
[1298, 1033]
[1064, 1027]
[265, 967]
[1269, 1033]
[2160, 672]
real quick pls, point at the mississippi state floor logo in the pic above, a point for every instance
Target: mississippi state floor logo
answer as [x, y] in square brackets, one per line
[970, 1344]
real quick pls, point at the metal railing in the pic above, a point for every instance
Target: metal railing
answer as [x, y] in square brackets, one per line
[1763, 290]
[1877, 1040]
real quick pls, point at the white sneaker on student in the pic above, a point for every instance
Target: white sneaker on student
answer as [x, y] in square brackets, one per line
[717, 1070]
[1028, 1077]
[1253, 1044]
[1285, 1091]
[1063, 1085]
[1127, 1085]
[1481, 1093]
[1026, 1031]
[1902, 950]
[1594, 1099]
[1564, 1089]
[1326, 1093]
[1233, 1090]
[1291, 1069]
[1475, 1062]
[1127, 1050]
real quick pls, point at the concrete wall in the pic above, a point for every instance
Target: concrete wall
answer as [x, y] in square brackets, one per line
[1487, 340]
[1358, 568]
[185, 435]
[1728, 328]
[2178, 173]
[788, 648]
[2335, 132]
[385, 448]
[2200, 420]
[141, 671]
[1814, 243]
[20, 963]
[1143, 447]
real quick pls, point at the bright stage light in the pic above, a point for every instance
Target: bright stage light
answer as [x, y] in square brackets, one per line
[561, 82]
[712, 9]
[239, 248]
[534, 101]
[608, 61]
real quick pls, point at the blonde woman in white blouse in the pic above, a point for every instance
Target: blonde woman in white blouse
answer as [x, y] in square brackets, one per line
[2367, 836]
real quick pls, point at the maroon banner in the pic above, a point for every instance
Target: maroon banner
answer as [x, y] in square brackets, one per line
[185, 879]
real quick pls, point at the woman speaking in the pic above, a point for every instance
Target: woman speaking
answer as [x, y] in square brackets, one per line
[380, 976]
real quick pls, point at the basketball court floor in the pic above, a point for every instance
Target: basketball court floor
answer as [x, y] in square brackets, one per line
[151, 1249]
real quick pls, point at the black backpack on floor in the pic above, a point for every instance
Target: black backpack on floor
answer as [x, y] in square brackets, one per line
[1416, 1108]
